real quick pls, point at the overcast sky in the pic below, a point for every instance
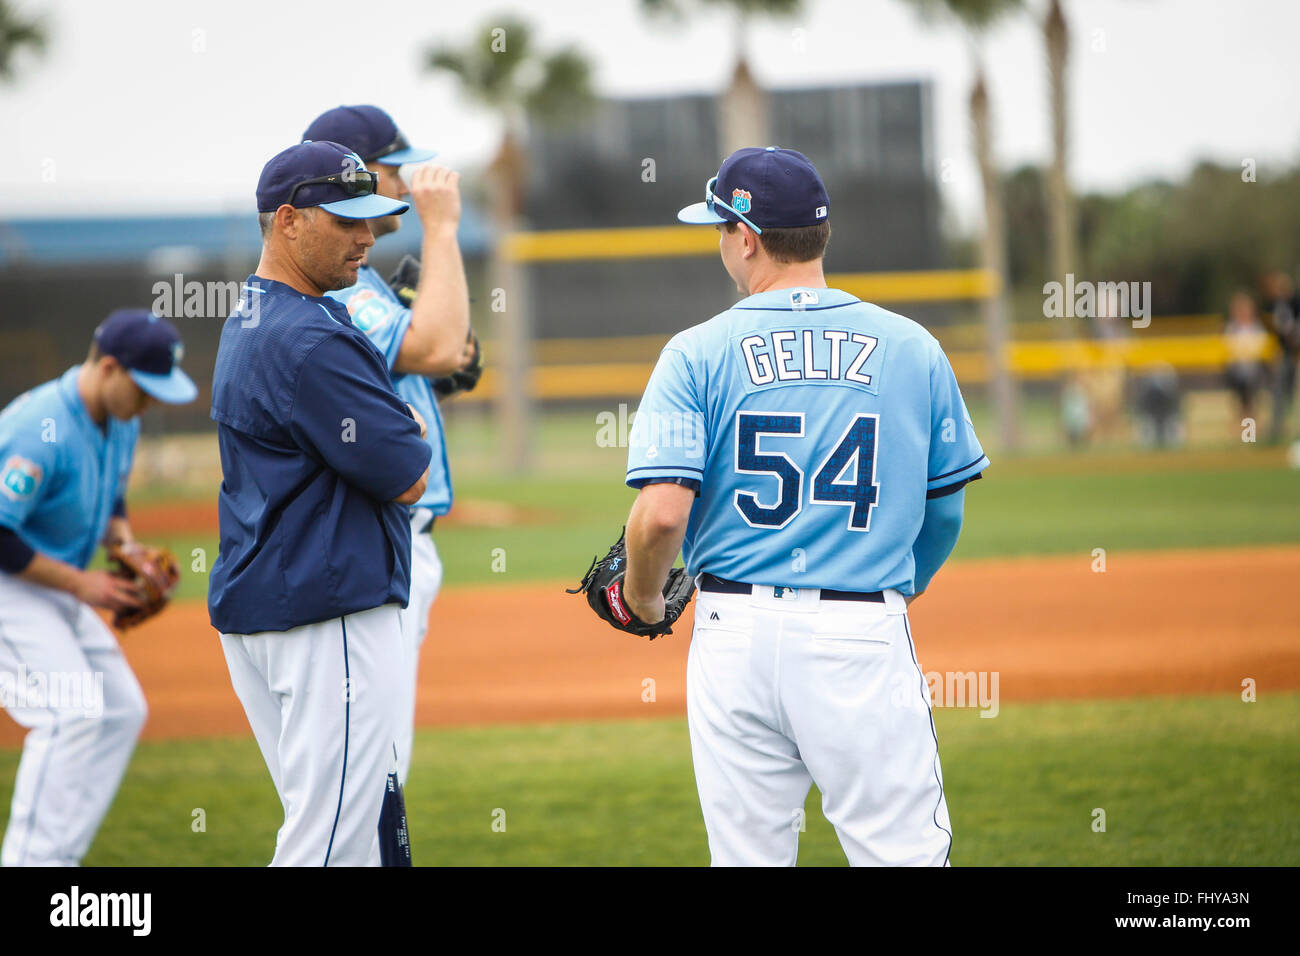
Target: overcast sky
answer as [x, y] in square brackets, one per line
[149, 106]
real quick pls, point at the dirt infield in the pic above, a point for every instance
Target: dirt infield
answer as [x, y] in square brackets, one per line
[1153, 623]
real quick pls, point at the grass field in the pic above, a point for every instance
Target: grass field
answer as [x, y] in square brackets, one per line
[1183, 781]
[1195, 781]
[551, 524]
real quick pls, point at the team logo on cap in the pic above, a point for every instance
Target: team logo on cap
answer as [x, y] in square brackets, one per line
[21, 478]
[178, 353]
[740, 199]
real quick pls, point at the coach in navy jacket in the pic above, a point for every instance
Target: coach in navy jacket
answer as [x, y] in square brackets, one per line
[320, 459]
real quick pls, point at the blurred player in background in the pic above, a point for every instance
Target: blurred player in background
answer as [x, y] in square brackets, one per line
[1283, 305]
[66, 449]
[429, 336]
[1247, 338]
[1076, 413]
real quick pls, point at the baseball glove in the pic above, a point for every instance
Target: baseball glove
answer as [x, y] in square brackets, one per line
[154, 572]
[404, 282]
[461, 380]
[603, 585]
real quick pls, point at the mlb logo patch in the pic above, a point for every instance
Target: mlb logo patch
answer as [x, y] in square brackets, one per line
[741, 199]
[821, 213]
[802, 298]
[20, 478]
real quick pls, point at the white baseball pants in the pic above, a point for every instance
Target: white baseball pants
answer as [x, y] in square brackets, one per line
[426, 581]
[786, 691]
[63, 677]
[320, 699]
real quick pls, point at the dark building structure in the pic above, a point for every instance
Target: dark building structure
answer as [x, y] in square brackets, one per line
[871, 144]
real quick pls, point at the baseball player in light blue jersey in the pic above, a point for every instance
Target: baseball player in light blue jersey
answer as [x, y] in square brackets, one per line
[808, 454]
[66, 449]
[427, 339]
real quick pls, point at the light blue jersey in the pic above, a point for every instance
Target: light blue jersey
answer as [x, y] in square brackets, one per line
[816, 425]
[376, 311]
[60, 473]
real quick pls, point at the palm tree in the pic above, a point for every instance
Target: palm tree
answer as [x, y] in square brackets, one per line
[502, 70]
[743, 113]
[977, 16]
[1060, 205]
[15, 34]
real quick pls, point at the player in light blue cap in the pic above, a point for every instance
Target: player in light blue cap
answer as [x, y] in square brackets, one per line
[66, 449]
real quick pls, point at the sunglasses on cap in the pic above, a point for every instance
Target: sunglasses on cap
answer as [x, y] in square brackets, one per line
[395, 146]
[355, 182]
[710, 198]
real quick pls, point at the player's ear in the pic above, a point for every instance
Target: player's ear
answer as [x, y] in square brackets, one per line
[751, 240]
[287, 219]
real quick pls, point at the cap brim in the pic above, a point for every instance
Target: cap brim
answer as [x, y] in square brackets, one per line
[409, 155]
[699, 214]
[174, 388]
[366, 207]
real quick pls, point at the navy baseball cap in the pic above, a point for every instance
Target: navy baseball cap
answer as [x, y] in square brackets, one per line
[370, 132]
[763, 187]
[327, 175]
[150, 349]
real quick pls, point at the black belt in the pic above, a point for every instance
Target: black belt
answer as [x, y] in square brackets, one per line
[711, 582]
[428, 527]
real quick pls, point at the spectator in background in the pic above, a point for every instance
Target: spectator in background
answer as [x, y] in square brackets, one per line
[1247, 341]
[1076, 412]
[1283, 305]
[1106, 377]
[1158, 403]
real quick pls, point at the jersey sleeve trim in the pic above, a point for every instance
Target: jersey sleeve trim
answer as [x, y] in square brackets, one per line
[636, 477]
[667, 469]
[952, 489]
[15, 553]
[965, 472]
[691, 483]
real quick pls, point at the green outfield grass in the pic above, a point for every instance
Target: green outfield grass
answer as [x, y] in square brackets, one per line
[549, 526]
[1183, 781]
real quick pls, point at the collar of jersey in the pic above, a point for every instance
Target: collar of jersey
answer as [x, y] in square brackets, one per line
[779, 299]
[279, 288]
[336, 309]
[77, 407]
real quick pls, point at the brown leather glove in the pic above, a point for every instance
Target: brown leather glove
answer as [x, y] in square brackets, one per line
[153, 570]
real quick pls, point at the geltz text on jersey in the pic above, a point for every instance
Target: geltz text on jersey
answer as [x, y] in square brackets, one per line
[841, 356]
